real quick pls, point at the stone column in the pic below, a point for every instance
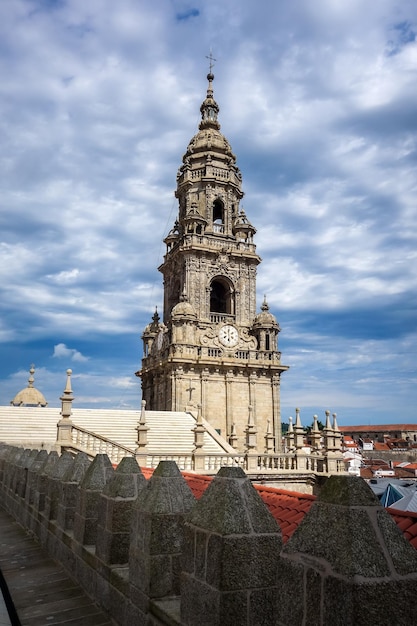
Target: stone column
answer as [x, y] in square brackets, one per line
[233, 439]
[276, 412]
[229, 402]
[299, 443]
[231, 558]
[199, 454]
[204, 384]
[251, 443]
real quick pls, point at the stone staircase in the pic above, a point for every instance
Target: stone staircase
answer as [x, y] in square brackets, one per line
[169, 432]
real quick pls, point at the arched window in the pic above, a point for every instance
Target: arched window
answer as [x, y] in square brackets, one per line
[221, 297]
[218, 215]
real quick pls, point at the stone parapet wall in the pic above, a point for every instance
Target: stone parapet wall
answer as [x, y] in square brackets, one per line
[149, 553]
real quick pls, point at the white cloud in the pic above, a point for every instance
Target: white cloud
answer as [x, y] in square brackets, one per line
[96, 112]
[62, 352]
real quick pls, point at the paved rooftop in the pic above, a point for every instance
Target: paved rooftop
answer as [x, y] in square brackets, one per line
[42, 591]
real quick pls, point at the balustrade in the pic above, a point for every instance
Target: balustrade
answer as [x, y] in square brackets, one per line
[287, 462]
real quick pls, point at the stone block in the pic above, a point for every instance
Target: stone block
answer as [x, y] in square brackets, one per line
[157, 541]
[42, 481]
[62, 466]
[68, 491]
[115, 512]
[96, 477]
[356, 566]
[232, 556]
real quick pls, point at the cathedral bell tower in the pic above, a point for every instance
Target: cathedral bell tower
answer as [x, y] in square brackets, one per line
[211, 349]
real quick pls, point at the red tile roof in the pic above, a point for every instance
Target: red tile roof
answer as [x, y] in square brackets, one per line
[381, 446]
[371, 428]
[407, 523]
[289, 507]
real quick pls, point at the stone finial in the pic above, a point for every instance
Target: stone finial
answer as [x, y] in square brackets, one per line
[315, 434]
[199, 430]
[328, 433]
[67, 398]
[269, 438]
[64, 432]
[251, 432]
[142, 428]
[337, 435]
[298, 431]
[233, 439]
[289, 437]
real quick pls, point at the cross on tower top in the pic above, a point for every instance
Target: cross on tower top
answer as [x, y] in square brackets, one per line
[212, 61]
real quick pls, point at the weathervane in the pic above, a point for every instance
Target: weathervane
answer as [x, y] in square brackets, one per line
[212, 60]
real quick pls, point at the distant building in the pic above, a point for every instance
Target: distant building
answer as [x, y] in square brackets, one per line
[29, 396]
[381, 433]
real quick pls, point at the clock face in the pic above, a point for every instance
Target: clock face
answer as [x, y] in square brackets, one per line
[228, 336]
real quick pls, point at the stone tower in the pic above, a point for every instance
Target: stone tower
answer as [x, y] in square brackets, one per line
[212, 349]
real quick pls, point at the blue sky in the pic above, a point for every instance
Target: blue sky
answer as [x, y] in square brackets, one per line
[318, 100]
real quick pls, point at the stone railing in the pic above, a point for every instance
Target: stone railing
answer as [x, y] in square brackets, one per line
[204, 352]
[83, 440]
[149, 553]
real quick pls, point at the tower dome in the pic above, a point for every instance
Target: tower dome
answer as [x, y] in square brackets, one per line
[183, 310]
[265, 319]
[29, 396]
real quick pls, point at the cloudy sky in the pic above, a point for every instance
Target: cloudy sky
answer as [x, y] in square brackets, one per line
[319, 102]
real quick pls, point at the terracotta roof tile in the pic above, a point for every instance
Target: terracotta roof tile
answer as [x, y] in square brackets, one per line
[289, 507]
[380, 446]
[371, 428]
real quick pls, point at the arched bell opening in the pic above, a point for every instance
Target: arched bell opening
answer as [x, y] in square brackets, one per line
[218, 216]
[221, 297]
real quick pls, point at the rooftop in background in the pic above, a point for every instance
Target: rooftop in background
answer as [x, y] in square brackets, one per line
[289, 507]
[361, 428]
